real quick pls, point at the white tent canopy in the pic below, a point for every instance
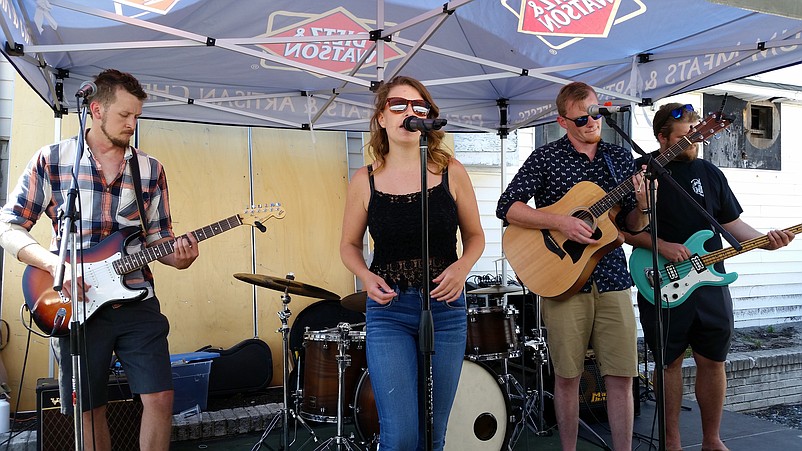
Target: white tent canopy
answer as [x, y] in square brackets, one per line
[492, 65]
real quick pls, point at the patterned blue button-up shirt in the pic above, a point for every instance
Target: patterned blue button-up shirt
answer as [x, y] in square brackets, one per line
[552, 170]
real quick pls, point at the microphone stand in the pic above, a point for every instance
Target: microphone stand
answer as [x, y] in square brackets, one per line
[426, 327]
[68, 244]
[655, 171]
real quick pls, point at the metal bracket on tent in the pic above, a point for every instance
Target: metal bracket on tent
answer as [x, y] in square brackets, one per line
[375, 35]
[644, 58]
[210, 41]
[448, 11]
[761, 46]
[15, 49]
[524, 72]
[306, 127]
[60, 90]
[646, 101]
[190, 101]
[374, 85]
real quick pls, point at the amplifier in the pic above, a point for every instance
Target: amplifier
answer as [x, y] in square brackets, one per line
[593, 394]
[55, 431]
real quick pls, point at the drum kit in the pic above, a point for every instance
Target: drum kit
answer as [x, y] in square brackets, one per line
[332, 384]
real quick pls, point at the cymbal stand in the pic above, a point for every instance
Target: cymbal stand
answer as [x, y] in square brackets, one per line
[343, 362]
[285, 412]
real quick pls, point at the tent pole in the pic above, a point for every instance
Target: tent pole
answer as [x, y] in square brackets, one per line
[503, 132]
[254, 292]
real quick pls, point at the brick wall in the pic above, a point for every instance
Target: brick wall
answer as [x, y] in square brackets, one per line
[757, 379]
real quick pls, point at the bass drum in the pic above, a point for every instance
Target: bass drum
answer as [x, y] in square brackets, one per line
[480, 418]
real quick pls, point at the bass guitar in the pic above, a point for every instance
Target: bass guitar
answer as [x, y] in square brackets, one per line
[105, 265]
[553, 266]
[679, 280]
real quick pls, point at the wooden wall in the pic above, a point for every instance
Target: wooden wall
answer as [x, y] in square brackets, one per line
[210, 178]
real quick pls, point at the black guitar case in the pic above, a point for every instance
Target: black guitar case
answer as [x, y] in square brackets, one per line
[245, 367]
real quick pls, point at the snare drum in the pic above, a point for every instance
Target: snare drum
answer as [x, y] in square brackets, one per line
[492, 333]
[320, 374]
[480, 418]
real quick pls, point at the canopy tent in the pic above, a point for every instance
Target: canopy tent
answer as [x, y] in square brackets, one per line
[492, 65]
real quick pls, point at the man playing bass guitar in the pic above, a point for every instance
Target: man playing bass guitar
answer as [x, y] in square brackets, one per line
[704, 321]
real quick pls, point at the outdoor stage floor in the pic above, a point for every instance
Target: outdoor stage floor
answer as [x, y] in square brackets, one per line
[740, 433]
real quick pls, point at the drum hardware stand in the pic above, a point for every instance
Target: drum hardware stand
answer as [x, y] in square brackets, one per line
[285, 412]
[343, 362]
[532, 411]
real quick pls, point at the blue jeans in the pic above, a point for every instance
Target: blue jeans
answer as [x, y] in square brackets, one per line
[394, 359]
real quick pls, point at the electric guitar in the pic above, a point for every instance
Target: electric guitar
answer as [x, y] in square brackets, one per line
[679, 280]
[553, 266]
[104, 266]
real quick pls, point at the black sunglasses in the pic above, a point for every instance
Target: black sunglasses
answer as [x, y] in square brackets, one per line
[676, 113]
[582, 121]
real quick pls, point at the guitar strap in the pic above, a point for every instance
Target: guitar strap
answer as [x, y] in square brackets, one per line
[137, 181]
[609, 162]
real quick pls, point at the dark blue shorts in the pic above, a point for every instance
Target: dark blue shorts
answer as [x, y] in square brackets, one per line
[704, 322]
[137, 333]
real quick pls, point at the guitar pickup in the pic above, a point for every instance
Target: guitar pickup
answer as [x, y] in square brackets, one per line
[671, 272]
[696, 261]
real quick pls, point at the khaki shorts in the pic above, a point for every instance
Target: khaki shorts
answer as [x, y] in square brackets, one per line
[606, 321]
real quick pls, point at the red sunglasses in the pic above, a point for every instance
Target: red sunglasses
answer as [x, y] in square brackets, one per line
[398, 105]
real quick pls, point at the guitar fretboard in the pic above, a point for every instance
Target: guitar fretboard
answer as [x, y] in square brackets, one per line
[700, 133]
[139, 259]
[746, 246]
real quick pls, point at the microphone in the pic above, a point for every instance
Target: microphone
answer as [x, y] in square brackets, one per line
[606, 110]
[87, 90]
[416, 124]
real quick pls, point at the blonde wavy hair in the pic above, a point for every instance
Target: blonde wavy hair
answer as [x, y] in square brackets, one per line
[379, 145]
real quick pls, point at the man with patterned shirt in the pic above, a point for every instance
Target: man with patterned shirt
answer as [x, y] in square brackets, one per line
[601, 314]
[135, 331]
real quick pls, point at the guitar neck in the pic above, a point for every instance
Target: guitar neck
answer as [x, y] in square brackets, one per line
[618, 193]
[746, 246]
[139, 259]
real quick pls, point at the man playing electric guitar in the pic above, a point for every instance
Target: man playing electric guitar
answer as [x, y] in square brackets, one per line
[601, 314]
[135, 331]
[705, 320]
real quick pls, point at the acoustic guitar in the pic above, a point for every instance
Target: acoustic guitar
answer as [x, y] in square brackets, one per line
[553, 266]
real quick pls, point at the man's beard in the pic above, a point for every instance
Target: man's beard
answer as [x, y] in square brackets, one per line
[119, 142]
[689, 154]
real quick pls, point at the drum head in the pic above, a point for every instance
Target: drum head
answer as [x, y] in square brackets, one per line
[320, 316]
[480, 416]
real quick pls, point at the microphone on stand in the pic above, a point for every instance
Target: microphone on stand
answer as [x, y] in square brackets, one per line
[416, 124]
[606, 110]
[86, 90]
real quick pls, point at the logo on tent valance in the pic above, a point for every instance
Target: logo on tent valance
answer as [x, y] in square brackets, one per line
[335, 40]
[551, 20]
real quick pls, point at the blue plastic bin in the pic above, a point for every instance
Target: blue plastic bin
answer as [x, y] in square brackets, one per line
[191, 379]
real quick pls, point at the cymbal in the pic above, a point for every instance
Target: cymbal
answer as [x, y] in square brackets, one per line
[355, 301]
[282, 284]
[497, 290]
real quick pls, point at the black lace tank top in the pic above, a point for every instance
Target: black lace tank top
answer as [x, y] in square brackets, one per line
[394, 222]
